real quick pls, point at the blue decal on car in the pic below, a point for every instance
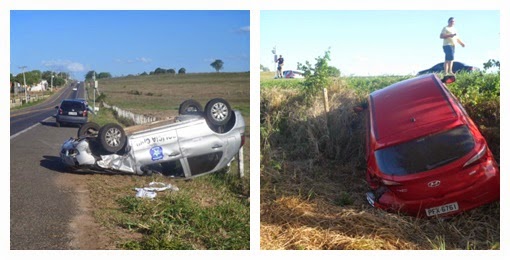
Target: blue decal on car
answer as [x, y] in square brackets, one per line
[156, 153]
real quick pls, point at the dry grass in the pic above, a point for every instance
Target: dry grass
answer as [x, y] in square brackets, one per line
[313, 187]
[161, 95]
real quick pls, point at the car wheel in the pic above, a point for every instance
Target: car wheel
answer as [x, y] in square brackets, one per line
[218, 111]
[112, 137]
[57, 123]
[190, 107]
[88, 129]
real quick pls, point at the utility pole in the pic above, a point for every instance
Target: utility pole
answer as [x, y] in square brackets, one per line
[52, 76]
[24, 83]
[275, 62]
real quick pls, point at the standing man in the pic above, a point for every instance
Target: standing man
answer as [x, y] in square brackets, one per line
[449, 36]
[280, 66]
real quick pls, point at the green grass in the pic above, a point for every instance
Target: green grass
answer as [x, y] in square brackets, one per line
[177, 221]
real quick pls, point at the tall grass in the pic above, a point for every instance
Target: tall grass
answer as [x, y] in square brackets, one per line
[312, 175]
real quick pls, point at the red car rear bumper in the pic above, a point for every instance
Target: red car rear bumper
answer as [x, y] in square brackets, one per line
[482, 192]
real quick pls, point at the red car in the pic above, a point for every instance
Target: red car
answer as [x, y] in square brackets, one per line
[425, 156]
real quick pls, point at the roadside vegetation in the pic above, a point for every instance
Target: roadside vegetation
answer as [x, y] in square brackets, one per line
[313, 169]
[207, 212]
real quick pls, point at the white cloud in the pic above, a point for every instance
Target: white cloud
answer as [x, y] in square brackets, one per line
[144, 60]
[64, 65]
[244, 29]
[130, 61]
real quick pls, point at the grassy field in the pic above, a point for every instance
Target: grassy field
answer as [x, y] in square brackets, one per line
[160, 95]
[208, 212]
[313, 170]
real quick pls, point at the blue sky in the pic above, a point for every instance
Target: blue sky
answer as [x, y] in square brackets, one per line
[129, 42]
[377, 42]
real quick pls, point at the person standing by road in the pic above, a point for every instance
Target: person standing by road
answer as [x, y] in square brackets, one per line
[450, 38]
[280, 67]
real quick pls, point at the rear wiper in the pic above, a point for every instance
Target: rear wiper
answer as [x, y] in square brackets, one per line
[443, 162]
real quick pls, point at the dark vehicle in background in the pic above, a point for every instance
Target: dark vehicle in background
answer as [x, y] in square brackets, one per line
[425, 156]
[457, 67]
[293, 74]
[72, 111]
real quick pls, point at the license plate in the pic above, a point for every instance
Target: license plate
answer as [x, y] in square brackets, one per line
[72, 113]
[442, 209]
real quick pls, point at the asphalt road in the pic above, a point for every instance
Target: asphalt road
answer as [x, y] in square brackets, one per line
[40, 211]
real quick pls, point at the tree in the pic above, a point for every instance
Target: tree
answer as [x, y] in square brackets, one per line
[171, 71]
[490, 64]
[160, 71]
[263, 68]
[90, 75]
[144, 74]
[333, 72]
[317, 76]
[32, 77]
[217, 65]
[182, 71]
[104, 75]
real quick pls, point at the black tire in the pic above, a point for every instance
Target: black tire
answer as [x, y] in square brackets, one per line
[218, 112]
[57, 123]
[88, 129]
[190, 107]
[112, 137]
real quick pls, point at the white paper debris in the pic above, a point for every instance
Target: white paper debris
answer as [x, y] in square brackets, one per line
[151, 191]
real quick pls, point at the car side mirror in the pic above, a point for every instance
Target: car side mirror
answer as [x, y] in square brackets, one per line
[448, 79]
[56, 107]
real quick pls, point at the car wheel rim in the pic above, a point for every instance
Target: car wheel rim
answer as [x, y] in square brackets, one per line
[219, 111]
[112, 137]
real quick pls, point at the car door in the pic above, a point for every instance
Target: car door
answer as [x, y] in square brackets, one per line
[155, 146]
[202, 149]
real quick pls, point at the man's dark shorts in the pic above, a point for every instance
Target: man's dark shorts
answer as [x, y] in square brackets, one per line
[449, 51]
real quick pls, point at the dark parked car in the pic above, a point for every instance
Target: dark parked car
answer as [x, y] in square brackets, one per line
[71, 111]
[425, 156]
[457, 67]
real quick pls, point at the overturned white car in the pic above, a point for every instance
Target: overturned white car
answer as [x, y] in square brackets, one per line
[197, 142]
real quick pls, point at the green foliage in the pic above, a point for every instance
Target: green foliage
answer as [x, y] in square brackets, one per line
[316, 76]
[333, 72]
[90, 75]
[104, 75]
[217, 65]
[160, 71]
[144, 74]
[263, 68]
[32, 77]
[491, 64]
[170, 71]
[182, 71]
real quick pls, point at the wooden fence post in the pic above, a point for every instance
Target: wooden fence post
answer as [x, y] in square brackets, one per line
[326, 103]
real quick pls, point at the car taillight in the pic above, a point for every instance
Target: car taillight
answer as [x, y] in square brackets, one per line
[60, 111]
[242, 140]
[84, 112]
[477, 156]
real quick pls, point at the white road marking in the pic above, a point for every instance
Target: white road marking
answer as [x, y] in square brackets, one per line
[21, 132]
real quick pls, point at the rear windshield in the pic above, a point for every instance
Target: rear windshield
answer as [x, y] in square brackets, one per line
[69, 105]
[425, 153]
